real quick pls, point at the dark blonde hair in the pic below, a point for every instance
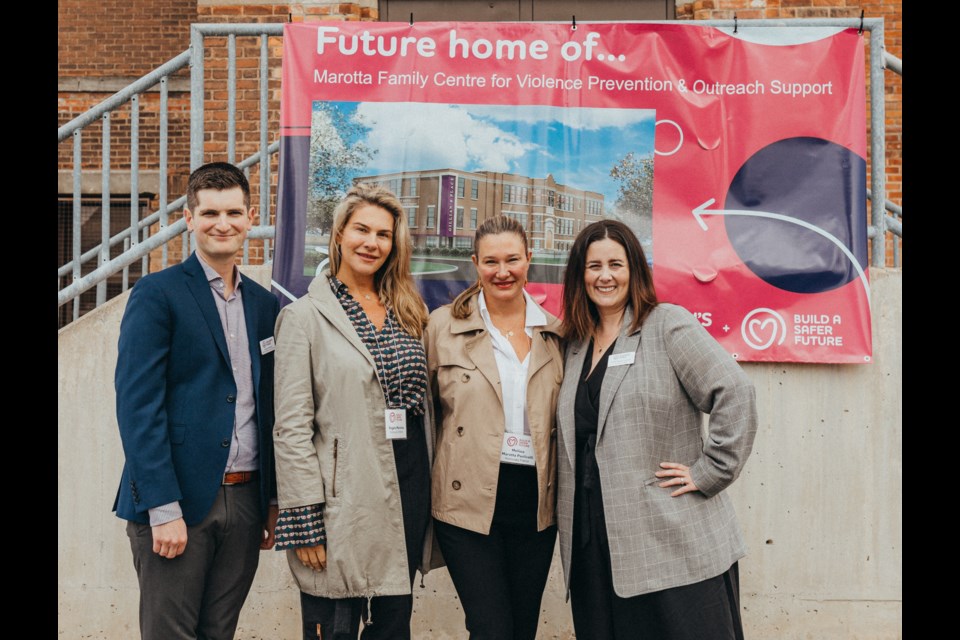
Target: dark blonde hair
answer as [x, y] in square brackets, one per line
[393, 280]
[489, 227]
[580, 315]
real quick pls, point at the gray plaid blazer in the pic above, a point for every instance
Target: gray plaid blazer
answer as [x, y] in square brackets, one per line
[650, 412]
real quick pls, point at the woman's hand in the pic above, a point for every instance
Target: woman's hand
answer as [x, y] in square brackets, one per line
[313, 557]
[679, 474]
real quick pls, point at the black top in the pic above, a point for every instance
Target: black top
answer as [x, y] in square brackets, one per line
[586, 411]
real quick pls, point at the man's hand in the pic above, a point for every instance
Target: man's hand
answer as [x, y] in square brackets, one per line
[170, 538]
[269, 527]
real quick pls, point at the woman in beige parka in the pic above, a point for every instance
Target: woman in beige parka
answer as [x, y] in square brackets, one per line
[353, 435]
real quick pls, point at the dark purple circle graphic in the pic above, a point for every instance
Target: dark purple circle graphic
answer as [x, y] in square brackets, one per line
[814, 182]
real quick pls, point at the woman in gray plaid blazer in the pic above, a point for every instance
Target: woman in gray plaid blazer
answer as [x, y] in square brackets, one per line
[648, 539]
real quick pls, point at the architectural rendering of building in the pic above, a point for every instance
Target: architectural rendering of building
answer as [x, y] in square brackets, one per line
[445, 206]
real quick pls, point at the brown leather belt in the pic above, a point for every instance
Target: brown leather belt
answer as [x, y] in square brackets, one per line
[239, 477]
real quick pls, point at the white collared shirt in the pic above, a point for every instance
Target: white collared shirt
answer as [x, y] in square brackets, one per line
[513, 372]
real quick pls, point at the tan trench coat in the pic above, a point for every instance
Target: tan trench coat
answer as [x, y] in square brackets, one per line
[331, 448]
[468, 409]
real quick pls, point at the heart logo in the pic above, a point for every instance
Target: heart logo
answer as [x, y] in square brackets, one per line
[756, 327]
[763, 327]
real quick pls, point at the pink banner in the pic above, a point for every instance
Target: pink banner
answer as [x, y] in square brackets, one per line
[738, 159]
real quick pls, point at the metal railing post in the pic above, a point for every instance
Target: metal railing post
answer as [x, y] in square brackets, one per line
[77, 230]
[164, 220]
[134, 180]
[231, 98]
[196, 98]
[104, 205]
[878, 158]
[264, 142]
[125, 280]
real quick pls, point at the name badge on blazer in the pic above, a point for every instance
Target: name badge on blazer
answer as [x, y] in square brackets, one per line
[620, 359]
[267, 345]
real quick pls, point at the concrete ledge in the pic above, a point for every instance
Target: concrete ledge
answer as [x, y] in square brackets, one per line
[820, 501]
[91, 182]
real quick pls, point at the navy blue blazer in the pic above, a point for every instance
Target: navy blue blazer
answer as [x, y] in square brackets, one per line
[176, 393]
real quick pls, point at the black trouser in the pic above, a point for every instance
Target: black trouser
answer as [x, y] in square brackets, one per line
[199, 594]
[388, 616]
[500, 577]
[326, 618]
[706, 610]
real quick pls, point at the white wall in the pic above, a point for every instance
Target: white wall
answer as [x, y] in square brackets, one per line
[819, 501]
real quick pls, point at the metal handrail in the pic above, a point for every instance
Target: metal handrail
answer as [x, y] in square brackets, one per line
[894, 226]
[149, 221]
[889, 205]
[135, 252]
[154, 217]
[125, 259]
[123, 96]
[893, 63]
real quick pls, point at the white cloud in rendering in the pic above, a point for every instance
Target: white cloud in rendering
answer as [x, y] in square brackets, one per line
[589, 119]
[438, 135]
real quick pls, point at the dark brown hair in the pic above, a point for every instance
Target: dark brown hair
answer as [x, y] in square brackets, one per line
[580, 316]
[220, 176]
[489, 227]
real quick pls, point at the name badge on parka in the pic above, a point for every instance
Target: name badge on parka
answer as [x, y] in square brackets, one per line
[396, 423]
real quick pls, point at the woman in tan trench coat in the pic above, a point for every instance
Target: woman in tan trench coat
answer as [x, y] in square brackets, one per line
[495, 367]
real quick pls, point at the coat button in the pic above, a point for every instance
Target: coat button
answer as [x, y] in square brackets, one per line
[460, 431]
[231, 398]
[225, 443]
[465, 377]
[456, 485]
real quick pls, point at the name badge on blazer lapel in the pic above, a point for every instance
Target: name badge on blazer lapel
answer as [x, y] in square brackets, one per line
[267, 345]
[620, 359]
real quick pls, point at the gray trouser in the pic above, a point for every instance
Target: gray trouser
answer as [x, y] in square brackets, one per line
[198, 595]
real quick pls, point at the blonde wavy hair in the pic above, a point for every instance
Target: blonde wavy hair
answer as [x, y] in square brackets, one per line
[393, 280]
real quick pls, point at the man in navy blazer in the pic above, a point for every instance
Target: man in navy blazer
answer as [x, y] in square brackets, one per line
[194, 384]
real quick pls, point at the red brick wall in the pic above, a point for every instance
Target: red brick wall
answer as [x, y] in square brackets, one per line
[120, 37]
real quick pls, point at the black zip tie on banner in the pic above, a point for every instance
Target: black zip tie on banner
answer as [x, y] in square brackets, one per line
[411, 18]
[573, 25]
[735, 23]
[860, 30]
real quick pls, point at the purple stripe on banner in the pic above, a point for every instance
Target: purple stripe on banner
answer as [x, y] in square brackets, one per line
[448, 201]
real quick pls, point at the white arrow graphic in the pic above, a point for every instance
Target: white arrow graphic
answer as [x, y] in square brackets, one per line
[702, 210]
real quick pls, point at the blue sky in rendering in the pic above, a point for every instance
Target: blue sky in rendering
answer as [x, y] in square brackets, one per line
[578, 146]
